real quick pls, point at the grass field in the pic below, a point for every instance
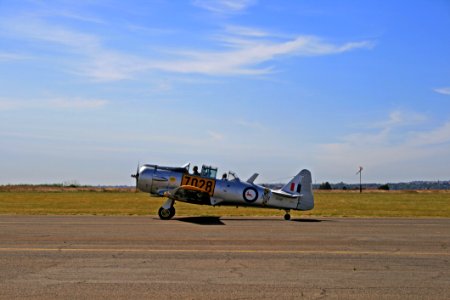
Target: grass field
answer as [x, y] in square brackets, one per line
[344, 204]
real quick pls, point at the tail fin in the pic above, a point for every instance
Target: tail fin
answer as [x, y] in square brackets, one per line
[301, 185]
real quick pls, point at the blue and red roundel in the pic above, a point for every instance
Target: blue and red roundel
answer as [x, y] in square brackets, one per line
[250, 194]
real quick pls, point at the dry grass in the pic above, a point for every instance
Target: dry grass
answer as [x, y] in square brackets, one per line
[60, 188]
[124, 202]
[383, 204]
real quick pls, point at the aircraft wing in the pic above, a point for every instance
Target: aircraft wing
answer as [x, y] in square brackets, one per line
[190, 194]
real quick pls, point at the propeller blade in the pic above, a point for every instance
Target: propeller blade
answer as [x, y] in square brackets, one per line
[137, 177]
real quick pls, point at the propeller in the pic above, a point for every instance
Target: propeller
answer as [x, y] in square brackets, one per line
[136, 176]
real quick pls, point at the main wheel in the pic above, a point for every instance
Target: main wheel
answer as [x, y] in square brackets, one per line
[287, 217]
[172, 212]
[166, 214]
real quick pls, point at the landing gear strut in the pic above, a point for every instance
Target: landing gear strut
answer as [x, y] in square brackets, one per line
[287, 216]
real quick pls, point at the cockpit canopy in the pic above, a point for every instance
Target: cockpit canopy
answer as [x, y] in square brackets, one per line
[232, 176]
[209, 172]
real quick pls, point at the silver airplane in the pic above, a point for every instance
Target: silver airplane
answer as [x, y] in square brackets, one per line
[178, 184]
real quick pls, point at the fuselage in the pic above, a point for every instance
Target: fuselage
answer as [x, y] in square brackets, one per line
[158, 180]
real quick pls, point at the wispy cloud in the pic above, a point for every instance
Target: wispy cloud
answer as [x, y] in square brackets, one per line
[215, 136]
[77, 103]
[224, 6]
[400, 118]
[8, 105]
[443, 90]
[387, 146]
[153, 31]
[246, 31]
[39, 30]
[245, 55]
[56, 103]
[246, 48]
[241, 50]
[75, 16]
[251, 125]
[436, 136]
[9, 56]
[94, 60]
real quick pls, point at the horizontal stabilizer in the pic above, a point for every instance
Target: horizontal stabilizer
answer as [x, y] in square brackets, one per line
[284, 194]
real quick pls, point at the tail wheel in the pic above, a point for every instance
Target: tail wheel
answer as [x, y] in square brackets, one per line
[166, 214]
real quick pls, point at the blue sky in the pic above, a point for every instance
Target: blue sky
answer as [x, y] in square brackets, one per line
[90, 88]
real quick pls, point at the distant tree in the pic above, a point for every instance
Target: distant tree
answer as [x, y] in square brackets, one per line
[384, 187]
[71, 183]
[344, 188]
[325, 186]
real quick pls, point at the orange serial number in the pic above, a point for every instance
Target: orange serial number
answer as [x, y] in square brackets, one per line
[208, 185]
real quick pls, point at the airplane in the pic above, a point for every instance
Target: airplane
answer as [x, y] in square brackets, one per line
[178, 184]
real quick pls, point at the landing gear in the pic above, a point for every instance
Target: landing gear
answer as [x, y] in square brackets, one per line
[166, 213]
[287, 216]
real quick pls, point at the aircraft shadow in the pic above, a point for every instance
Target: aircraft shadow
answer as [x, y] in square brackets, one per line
[207, 220]
[213, 220]
[304, 220]
[307, 220]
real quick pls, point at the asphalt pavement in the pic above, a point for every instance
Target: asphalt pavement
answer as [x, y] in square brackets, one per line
[99, 257]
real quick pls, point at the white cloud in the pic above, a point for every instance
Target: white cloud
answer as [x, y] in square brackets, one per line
[59, 103]
[215, 136]
[246, 31]
[77, 103]
[41, 31]
[8, 105]
[400, 118]
[246, 55]
[224, 6]
[243, 51]
[443, 91]
[95, 61]
[251, 125]
[389, 150]
[440, 135]
[8, 56]
[154, 31]
[74, 16]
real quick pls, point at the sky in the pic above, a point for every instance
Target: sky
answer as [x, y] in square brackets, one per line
[90, 89]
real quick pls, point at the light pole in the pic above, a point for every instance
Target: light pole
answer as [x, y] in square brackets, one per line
[360, 182]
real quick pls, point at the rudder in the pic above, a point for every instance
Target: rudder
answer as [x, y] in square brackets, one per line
[307, 198]
[301, 185]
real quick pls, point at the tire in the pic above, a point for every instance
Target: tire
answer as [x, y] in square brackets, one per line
[166, 214]
[172, 212]
[287, 217]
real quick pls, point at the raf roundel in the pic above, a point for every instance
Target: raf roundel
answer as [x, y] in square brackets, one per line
[250, 194]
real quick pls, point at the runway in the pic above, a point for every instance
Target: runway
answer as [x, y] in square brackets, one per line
[45, 257]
